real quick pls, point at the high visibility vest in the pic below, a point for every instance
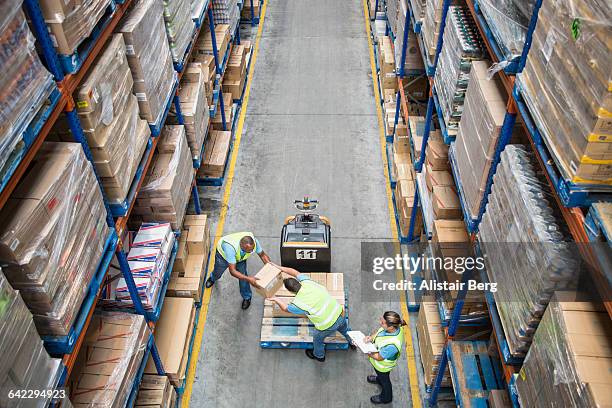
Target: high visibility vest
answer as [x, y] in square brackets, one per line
[234, 241]
[323, 310]
[397, 340]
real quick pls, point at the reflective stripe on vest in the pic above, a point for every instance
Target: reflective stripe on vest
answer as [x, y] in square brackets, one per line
[234, 241]
[323, 310]
[397, 340]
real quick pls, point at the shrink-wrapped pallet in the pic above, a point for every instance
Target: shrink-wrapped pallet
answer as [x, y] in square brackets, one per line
[194, 108]
[566, 84]
[109, 360]
[569, 363]
[24, 363]
[508, 21]
[165, 190]
[226, 12]
[24, 82]
[519, 220]
[479, 131]
[70, 22]
[179, 26]
[52, 231]
[149, 58]
[462, 44]
[414, 61]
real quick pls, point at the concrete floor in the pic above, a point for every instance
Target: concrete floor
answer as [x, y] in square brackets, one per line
[311, 128]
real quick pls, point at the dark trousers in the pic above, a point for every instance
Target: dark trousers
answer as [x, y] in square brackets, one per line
[386, 395]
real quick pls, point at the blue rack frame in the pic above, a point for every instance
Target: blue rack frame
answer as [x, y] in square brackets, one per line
[156, 127]
[140, 373]
[58, 345]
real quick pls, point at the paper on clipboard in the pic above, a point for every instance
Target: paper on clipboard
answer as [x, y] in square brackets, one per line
[358, 339]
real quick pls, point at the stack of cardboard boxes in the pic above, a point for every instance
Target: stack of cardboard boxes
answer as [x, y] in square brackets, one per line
[431, 25]
[215, 155]
[71, 22]
[246, 9]
[388, 81]
[194, 107]
[228, 109]
[203, 45]
[24, 363]
[235, 73]
[108, 112]
[149, 58]
[226, 12]
[165, 190]
[52, 231]
[191, 259]
[431, 342]
[155, 391]
[209, 71]
[173, 333]
[179, 27]
[109, 359]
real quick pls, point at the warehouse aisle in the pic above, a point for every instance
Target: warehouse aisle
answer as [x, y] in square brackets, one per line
[311, 128]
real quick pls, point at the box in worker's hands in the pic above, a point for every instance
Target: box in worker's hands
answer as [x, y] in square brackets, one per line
[269, 280]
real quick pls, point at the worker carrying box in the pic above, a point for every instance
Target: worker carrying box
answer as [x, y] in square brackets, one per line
[233, 250]
[314, 301]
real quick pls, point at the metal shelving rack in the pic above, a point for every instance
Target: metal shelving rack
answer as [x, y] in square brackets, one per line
[68, 74]
[584, 229]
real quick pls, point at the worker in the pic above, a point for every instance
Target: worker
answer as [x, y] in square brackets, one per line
[233, 250]
[314, 301]
[389, 340]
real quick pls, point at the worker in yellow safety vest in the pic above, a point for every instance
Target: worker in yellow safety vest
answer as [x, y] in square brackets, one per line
[389, 340]
[314, 301]
[232, 252]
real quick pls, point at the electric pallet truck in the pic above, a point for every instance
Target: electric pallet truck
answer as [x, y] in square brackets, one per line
[306, 239]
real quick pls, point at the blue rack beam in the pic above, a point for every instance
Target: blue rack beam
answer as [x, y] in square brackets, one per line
[59, 345]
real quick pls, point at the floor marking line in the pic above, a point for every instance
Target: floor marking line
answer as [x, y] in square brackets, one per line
[191, 370]
[410, 358]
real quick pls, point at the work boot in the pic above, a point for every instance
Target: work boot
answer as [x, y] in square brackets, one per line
[246, 303]
[352, 347]
[209, 283]
[376, 400]
[311, 355]
[372, 379]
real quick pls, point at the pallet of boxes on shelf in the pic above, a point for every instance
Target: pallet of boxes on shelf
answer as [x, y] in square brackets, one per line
[179, 28]
[566, 84]
[148, 257]
[155, 391]
[204, 45]
[24, 362]
[150, 60]
[414, 60]
[173, 334]
[432, 20]
[226, 12]
[235, 73]
[71, 24]
[508, 21]
[246, 9]
[569, 361]
[215, 155]
[462, 44]
[109, 360]
[108, 113]
[519, 219]
[418, 10]
[228, 110]
[189, 271]
[479, 131]
[431, 338]
[25, 84]
[195, 110]
[164, 194]
[53, 230]
[209, 72]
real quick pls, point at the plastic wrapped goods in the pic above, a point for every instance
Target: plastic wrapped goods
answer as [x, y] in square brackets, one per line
[566, 84]
[179, 26]
[52, 231]
[418, 9]
[109, 360]
[483, 116]
[197, 8]
[72, 21]
[149, 58]
[414, 61]
[226, 12]
[508, 21]
[431, 26]
[24, 363]
[462, 44]
[166, 188]
[24, 82]
[519, 220]
[194, 108]
[569, 363]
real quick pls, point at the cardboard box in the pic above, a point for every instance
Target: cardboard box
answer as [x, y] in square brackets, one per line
[197, 239]
[437, 155]
[451, 238]
[181, 253]
[172, 332]
[446, 205]
[440, 178]
[499, 399]
[215, 154]
[197, 220]
[189, 282]
[269, 280]
[335, 282]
